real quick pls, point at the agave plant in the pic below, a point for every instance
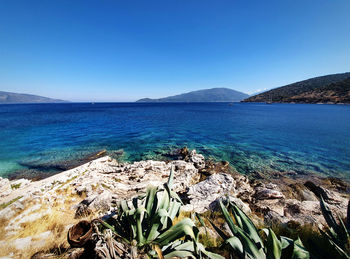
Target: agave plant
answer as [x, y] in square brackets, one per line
[338, 234]
[147, 223]
[246, 242]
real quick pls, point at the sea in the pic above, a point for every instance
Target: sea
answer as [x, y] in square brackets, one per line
[256, 138]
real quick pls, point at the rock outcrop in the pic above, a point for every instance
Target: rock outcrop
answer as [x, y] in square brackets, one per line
[93, 189]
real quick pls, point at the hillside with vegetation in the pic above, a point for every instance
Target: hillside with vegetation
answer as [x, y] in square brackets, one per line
[325, 89]
[206, 95]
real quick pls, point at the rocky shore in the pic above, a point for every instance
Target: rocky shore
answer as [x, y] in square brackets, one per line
[35, 215]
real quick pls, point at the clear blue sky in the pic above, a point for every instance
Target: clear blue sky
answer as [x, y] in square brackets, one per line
[109, 50]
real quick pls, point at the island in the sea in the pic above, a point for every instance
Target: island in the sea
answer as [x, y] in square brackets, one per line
[333, 88]
[8, 97]
[206, 95]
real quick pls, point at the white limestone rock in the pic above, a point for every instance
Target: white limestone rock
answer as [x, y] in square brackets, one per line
[197, 159]
[5, 187]
[202, 194]
[240, 204]
[22, 243]
[269, 191]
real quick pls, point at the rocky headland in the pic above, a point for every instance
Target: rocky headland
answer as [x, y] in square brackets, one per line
[36, 215]
[329, 89]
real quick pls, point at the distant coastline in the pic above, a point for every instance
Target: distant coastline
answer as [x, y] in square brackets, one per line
[329, 89]
[205, 95]
[17, 98]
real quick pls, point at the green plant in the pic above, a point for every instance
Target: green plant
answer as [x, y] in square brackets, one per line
[337, 234]
[246, 242]
[4, 205]
[146, 223]
[15, 186]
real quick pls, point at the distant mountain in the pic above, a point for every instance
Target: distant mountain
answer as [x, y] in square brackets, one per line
[7, 97]
[333, 93]
[324, 89]
[206, 95]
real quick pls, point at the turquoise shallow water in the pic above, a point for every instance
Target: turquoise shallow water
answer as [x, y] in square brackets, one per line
[266, 138]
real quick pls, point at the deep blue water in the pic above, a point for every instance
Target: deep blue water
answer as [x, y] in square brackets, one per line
[252, 137]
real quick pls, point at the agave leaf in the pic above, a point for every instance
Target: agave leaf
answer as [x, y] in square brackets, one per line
[105, 224]
[174, 244]
[171, 178]
[201, 250]
[219, 231]
[273, 246]
[165, 222]
[127, 223]
[286, 242]
[228, 218]
[198, 249]
[235, 244]
[348, 217]
[162, 213]
[201, 222]
[155, 223]
[299, 251]
[165, 201]
[124, 206]
[139, 231]
[130, 212]
[327, 235]
[179, 254]
[174, 209]
[247, 224]
[212, 255]
[328, 215]
[150, 198]
[155, 206]
[265, 230]
[249, 246]
[333, 234]
[183, 228]
[173, 234]
[339, 250]
[336, 248]
[175, 196]
[236, 216]
[135, 202]
[124, 230]
[188, 246]
[342, 231]
[154, 233]
[248, 243]
[170, 247]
